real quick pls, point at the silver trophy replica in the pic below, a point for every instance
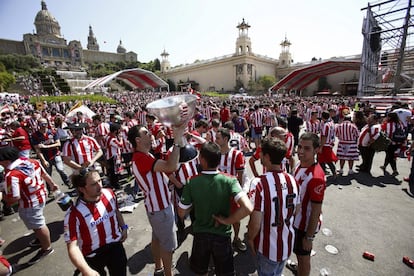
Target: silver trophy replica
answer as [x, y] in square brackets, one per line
[175, 111]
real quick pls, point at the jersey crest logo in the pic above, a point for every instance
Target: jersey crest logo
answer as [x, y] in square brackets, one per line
[319, 189]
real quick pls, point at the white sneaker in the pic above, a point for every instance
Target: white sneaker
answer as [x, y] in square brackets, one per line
[341, 171]
[350, 172]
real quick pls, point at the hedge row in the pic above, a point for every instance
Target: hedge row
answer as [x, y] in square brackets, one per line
[73, 98]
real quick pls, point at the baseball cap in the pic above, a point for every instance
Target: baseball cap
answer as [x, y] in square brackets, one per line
[76, 126]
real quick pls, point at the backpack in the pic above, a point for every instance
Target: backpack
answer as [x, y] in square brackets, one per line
[382, 142]
[399, 135]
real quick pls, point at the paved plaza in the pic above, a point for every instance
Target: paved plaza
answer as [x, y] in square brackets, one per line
[361, 213]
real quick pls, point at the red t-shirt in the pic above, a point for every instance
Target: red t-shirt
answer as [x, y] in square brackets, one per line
[21, 144]
[224, 114]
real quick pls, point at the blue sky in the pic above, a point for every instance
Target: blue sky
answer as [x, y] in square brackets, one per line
[195, 29]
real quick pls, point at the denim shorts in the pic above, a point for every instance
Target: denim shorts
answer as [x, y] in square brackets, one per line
[255, 135]
[267, 267]
[33, 217]
[206, 245]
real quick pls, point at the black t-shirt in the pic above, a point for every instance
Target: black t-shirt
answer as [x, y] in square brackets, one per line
[294, 124]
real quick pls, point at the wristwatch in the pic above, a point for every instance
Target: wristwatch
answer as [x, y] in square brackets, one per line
[124, 227]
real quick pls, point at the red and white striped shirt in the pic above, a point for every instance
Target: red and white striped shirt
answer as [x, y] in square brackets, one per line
[276, 197]
[24, 180]
[101, 131]
[257, 118]
[186, 170]
[207, 111]
[33, 124]
[290, 144]
[231, 162]
[389, 128]
[347, 132]
[269, 118]
[328, 131]
[237, 141]
[212, 134]
[142, 119]
[81, 150]
[113, 147]
[367, 133]
[126, 145]
[313, 126]
[93, 225]
[131, 123]
[153, 184]
[312, 185]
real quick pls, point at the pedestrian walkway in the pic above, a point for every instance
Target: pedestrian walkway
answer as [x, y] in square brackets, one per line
[361, 213]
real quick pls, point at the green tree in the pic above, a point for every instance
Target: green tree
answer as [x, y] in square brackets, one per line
[148, 66]
[251, 85]
[172, 85]
[5, 79]
[157, 65]
[266, 82]
[20, 63]
[323, 84]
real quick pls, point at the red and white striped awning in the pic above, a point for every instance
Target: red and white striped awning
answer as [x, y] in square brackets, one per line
[136, 78]
[300, 78]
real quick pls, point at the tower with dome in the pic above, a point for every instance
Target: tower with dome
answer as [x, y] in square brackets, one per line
[53, 50]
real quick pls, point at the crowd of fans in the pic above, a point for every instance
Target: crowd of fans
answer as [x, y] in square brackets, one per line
[31, 84]
[225, 132]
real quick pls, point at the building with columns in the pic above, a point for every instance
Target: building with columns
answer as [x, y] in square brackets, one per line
[226, 73]
[53, 50]
[231, 72]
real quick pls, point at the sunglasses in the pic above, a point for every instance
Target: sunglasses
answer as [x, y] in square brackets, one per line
[5, 113]
[85, 171]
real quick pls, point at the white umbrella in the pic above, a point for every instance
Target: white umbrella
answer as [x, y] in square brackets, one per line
[85, 111]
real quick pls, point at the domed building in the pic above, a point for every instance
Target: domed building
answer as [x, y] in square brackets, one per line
[53, 50]
[45, 22]
[121, 49]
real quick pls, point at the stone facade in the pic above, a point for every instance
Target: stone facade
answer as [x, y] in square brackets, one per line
[226, 73]
[98, 56]
[230, 72]
[12, 47]
[53, 50]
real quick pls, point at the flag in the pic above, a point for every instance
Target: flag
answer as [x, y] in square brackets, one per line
[193, 92]
[76, 105]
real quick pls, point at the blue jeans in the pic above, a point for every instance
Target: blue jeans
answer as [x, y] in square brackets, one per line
[58, 163]
[266, 267]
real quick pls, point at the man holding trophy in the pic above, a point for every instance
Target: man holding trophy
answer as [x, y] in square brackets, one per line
[151, 178]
